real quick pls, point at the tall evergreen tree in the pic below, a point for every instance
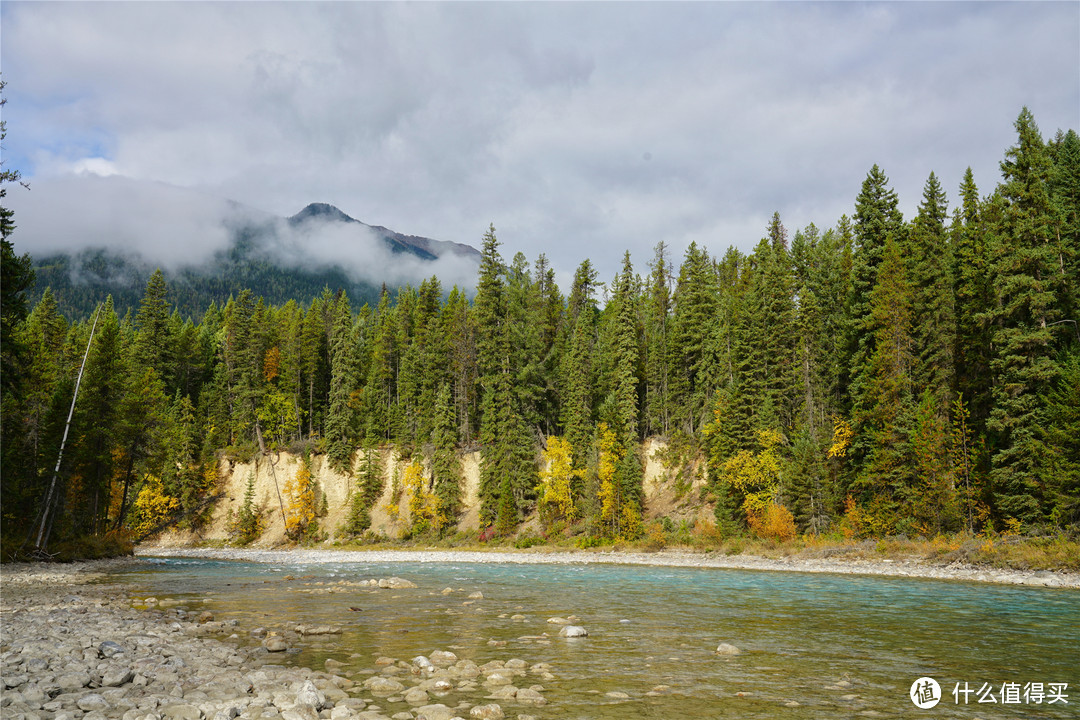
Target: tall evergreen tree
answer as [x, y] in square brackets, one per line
[657, 319]
[932, 305]
[694, 315]
[1028, 280]
[975, 302]
[341, 431]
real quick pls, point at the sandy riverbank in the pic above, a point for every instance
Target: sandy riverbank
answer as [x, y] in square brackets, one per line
[845, 566]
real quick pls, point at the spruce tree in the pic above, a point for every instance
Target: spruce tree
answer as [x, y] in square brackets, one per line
[932, 305]
[695, 301]
[1028, 281]
[883, 415]
[657, 319]
[975, 303]
[445, 467]
[154, 346]
[877, 220]
[341, 417]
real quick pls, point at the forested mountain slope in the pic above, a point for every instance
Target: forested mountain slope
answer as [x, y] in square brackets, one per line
[285, 258]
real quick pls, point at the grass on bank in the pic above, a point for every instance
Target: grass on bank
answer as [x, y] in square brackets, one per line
[991, 550]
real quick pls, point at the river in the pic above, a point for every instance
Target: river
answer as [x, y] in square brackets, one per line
[812, 645]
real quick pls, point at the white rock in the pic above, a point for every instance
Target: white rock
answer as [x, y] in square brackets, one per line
[491, 711]
[443, 658]
[573, 631]
[727, 649]
[310, 695]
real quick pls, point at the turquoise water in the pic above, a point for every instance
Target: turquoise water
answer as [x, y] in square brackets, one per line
[839, 646]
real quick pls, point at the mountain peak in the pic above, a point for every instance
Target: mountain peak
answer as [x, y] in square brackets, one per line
[322, 211]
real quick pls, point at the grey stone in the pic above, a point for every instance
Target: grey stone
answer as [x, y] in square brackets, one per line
[93, 701]
[443, 658]
[181, 711]
[416, 696]
[110, 649]
[491, 711]
[310, 695]
[573, 631]
[116, 676]
[72, 681]
[383, 686]
[300, 712]
[275, 643]
[528, 696]
[434, 712]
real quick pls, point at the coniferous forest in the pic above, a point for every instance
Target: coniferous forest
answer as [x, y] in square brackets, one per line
[882, 376]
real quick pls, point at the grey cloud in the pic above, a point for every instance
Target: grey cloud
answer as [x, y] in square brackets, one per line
[438, 118]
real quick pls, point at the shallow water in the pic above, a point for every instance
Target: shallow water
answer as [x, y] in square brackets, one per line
[840, 646]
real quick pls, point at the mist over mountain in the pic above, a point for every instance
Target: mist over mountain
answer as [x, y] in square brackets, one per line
[210, 249]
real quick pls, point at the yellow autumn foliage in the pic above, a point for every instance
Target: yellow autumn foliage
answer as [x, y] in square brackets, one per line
[757, 475]
[152, 507]
[555, 496]
[842, 435]
[300, 503]
[609, 453]
[424, 511]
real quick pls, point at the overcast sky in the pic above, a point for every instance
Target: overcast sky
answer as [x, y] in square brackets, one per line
[579, 130]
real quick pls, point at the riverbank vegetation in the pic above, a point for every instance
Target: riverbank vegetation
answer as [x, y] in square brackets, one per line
[878, 378]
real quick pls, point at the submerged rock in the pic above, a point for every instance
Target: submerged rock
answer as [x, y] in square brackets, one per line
[727, 649]
[274, 643]
[491, 711]
[573, 631]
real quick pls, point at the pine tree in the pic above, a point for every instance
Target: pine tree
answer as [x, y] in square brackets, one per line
[578, 370]
[154, 344]
[622, 335]
[658, 316]
[975, 303]
[445, 467]
[932, 306]
[1065, 199]
[97, 420]
[692, 321]
[1027, 279]
[341, 417]
[877, 220]
[883, 414]
[1060, 431]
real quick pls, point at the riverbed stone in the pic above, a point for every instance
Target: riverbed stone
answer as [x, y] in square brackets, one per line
[528, 696]
[573, 631]
[180, 711]
[437, 711]
[443, 658]
[275, 643]
[301, 711]
[416, 696]
[383, 686]
[110, 648]
[311, 695]
[396, 583]
[491, 711]
[92, 701]
[727, 649]
[72, 681]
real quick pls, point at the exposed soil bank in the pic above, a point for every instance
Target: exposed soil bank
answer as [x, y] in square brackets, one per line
[885, 567]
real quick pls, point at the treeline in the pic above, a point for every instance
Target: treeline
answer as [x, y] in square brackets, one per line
[884, 376]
